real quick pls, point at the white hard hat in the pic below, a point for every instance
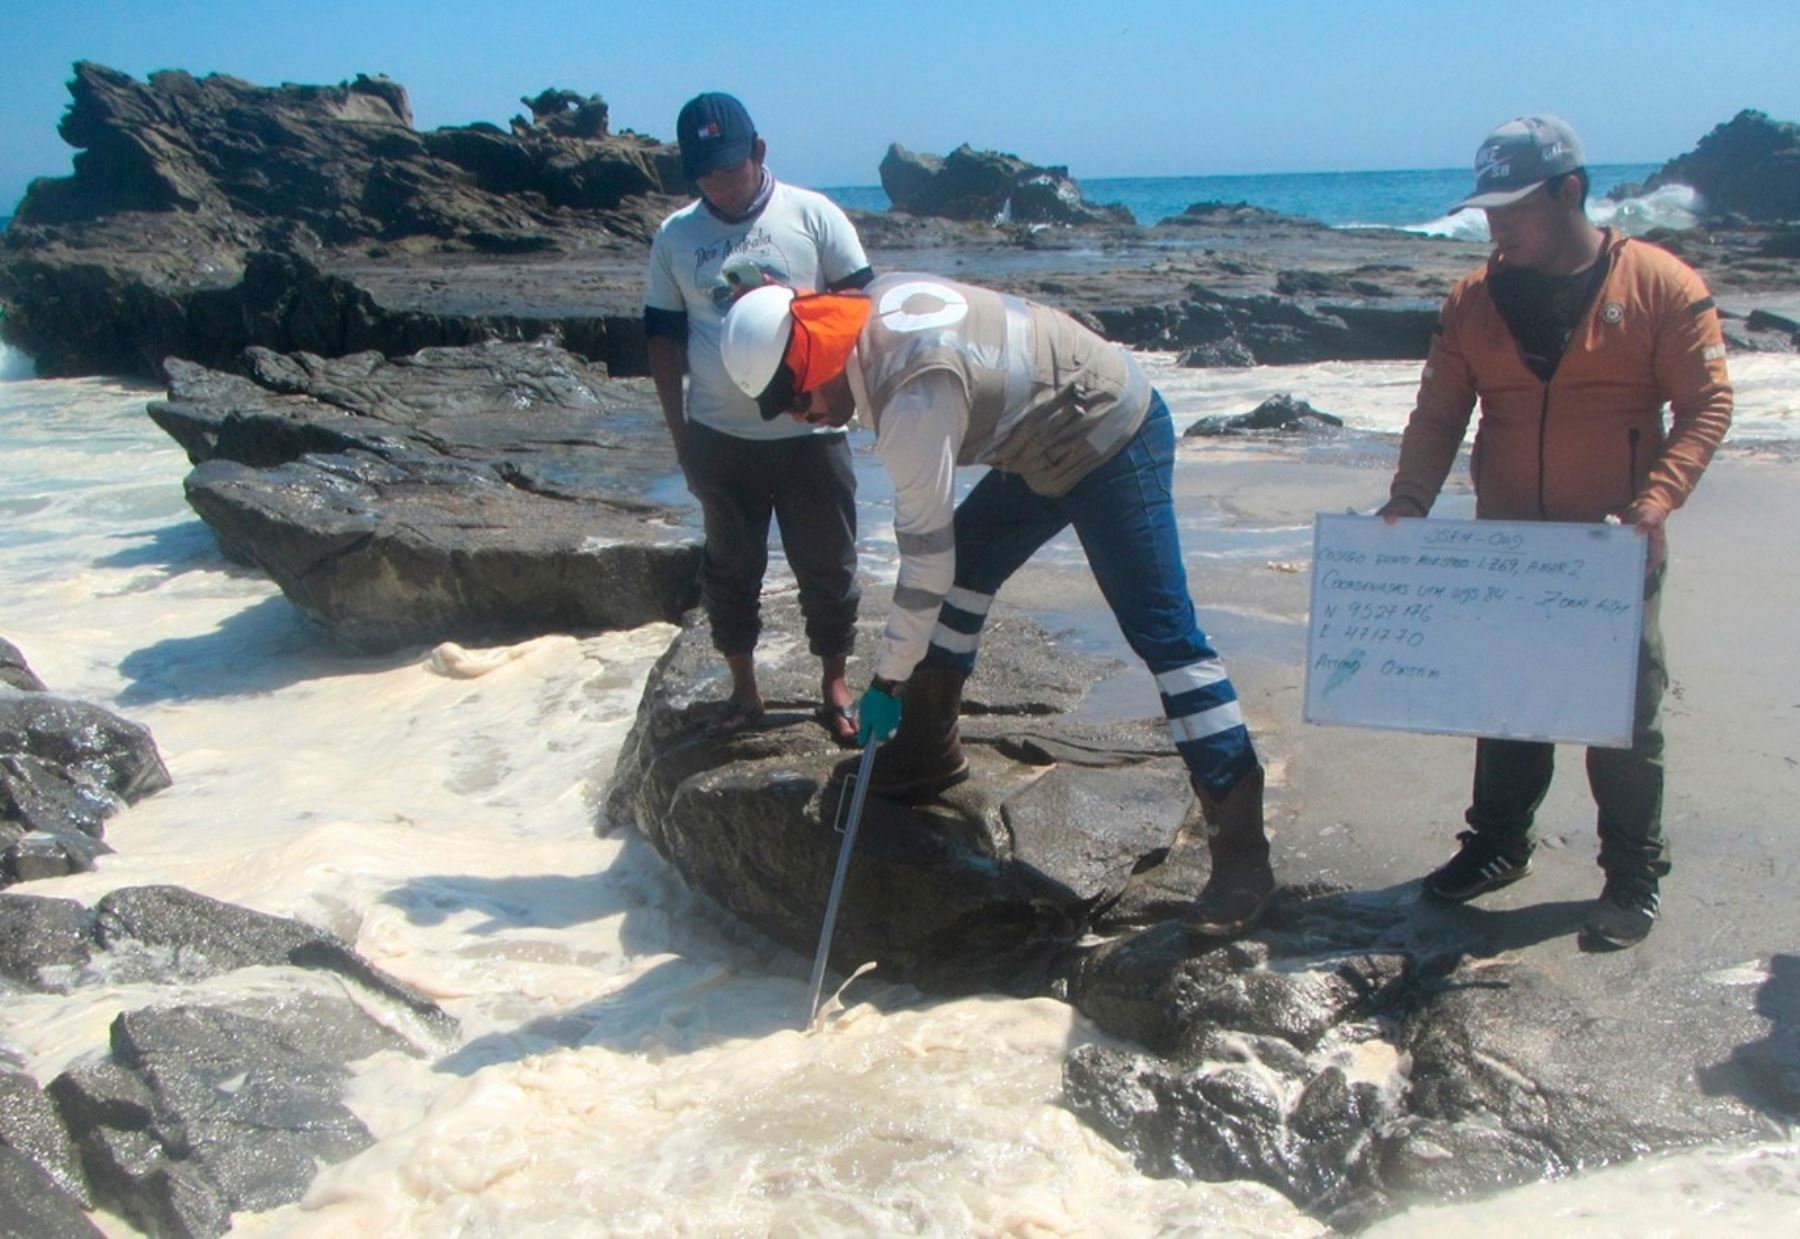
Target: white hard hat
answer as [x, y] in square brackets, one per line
[756, 335]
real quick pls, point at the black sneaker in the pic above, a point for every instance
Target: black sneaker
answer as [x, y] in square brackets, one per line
[1623, 917]
[1478, 868]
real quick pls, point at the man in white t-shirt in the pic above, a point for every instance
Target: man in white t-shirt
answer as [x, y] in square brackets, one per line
[747, 229]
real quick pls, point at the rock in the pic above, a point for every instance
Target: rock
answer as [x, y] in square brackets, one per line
[65, 767]
[47, 854]
[44, 943]
[1237, 214]
[1306, 1142]
[1766, 320]
[1502, 1074]
[481, 494]
[92, 745]
[984, 886]
[199, 1111]
[165, 934]
[988, 186]
[32, 1204]
[171, 933]
[1279, 414]
[203, 1111]
[29, 1126]
[905, 175]
[1750, 165]
[182, 185]
[1214, 329]
[15, 671]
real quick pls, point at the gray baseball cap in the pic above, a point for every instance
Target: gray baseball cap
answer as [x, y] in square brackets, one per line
[1519, 156]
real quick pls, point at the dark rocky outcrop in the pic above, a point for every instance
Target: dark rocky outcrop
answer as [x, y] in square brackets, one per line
[1213, 214]
[180, 183]
[1279, 414]
[198, 1110]
[182, 234]
[34, 1205]
[1748, 166]
[203, 1111]
[485, 494]
[988, 186]
[30, 1129]
[65, 767]
[1212, 329]
[15, 671]
[165, 934]
[1493, 1077]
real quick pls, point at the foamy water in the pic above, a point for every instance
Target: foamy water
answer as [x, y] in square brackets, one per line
[629, 1060]
[1672, 206]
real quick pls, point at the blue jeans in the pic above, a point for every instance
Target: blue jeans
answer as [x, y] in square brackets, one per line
[1124, 514]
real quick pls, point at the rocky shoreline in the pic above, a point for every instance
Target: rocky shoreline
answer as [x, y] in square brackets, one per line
[400, 364]
[206, 216]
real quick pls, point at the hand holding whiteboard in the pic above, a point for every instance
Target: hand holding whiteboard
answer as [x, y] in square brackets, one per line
[1526, 630]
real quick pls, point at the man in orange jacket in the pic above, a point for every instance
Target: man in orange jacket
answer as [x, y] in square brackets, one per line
[1573, 339]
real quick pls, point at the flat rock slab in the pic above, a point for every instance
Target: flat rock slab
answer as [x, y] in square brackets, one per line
[483, 494]
[199, 1110]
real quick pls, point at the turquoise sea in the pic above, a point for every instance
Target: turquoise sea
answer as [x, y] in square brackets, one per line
[1412, 198]
[1415, 199]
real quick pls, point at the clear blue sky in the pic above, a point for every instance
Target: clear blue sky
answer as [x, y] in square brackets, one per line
[1108, 87]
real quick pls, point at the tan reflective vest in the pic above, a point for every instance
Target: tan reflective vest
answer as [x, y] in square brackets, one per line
[1048, 399]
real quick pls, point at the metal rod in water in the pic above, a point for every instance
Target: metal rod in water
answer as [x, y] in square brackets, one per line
[837, 882]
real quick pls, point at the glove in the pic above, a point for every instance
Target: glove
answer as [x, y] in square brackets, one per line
[877, 715]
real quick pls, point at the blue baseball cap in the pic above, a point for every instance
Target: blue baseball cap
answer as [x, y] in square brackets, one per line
[714, 132]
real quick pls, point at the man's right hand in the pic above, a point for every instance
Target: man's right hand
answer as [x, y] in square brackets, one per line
[877, 714]
[1397, 507]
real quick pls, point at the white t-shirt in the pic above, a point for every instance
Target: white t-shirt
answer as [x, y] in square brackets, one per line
[801, 239]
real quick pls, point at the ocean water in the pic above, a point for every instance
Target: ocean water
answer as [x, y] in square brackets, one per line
[1417, 200]
[630, 1060]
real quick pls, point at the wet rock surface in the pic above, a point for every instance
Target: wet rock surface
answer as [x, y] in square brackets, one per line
[483, 494]
[198, 1110]
[65, 767]
[1282, 413]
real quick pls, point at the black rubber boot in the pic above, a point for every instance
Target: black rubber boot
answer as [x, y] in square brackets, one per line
[925, 755]
[1238, 891]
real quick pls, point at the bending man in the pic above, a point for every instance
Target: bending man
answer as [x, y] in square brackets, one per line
[947, 374]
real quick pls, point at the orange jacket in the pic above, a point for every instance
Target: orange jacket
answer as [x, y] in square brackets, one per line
[1590, 442]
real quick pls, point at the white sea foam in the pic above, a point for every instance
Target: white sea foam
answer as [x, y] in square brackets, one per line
[15, 364]
[1672, 206]
[630, 1060]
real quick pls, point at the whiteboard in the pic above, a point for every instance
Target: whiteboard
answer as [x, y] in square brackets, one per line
[1526, 630]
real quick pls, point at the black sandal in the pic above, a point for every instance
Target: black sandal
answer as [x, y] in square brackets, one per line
[829, 717]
